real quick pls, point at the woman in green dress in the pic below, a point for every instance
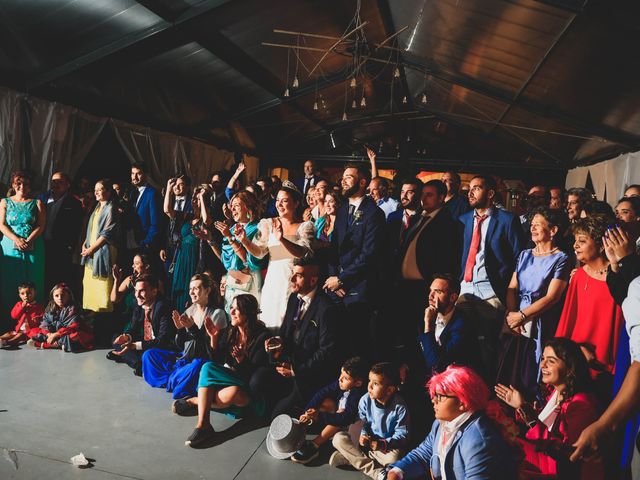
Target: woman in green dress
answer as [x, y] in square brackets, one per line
[22, 223]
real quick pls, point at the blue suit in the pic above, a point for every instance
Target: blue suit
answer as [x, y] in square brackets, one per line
[477, 452]
[358, 243]
[503, 243]
[458, 344]
[148, 212]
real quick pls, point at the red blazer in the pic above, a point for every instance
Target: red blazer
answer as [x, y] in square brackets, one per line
[547, 452]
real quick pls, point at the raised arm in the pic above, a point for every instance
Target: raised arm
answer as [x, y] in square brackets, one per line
[168, 198]
[372, 161]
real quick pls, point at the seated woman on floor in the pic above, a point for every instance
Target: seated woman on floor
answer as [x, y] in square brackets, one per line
[571, 406]
[238, 351]
[464, 442]
[179, 371]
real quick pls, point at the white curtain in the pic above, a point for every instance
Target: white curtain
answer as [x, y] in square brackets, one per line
[577, 177]
[11, 135]
[60, 137]
[609, 178]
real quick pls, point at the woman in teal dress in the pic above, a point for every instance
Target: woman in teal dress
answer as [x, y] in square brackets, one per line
[189, 251]
[22, 222]
[324, 224]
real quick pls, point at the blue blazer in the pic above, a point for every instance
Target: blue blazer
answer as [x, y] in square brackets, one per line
[478, 452]
[359, 250]
[458, 344]
[503, 244]
[148, 211]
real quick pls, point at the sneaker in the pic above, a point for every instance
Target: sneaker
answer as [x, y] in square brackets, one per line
[2, 343]
[338, 460]
[33, 343]
[308, 451]
[200, 436]
[183, 408]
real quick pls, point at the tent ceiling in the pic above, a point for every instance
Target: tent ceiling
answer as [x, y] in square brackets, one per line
[550, 83]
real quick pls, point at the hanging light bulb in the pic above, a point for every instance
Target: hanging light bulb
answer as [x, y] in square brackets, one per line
[354, 104]
[408, 138]
[380, 147]
[353, 83]
[363, 102]
[396, 73]
[404, 99]
[315, 105]
[424, 98]
[286, 92]
[296, 83]
[344, 116]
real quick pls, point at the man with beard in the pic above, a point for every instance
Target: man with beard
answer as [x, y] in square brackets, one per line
[492, 241]
[454, 202]
[358, 245]
[401, 221]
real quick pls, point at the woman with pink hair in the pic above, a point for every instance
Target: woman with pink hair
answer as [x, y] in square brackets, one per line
[464, 442]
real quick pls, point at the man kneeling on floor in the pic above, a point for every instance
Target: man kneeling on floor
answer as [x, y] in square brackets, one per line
[151, 326]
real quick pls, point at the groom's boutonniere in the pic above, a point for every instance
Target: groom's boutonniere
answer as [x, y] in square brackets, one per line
[357, 215]
[313, 322]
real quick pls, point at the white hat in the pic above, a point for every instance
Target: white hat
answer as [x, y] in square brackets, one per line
[285, 437]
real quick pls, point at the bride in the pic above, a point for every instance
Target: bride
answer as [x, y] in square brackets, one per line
[284, 238]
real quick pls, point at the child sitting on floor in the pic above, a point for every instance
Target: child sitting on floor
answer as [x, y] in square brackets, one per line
[62, 326]
[334, 407]
[27, 313]
[385, 433]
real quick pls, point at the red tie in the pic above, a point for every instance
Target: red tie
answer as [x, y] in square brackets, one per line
[148, 330]
[406, 219]
[473, 249]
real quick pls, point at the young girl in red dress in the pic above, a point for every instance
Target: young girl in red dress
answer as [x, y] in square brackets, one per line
[62, 326]
[27, 313]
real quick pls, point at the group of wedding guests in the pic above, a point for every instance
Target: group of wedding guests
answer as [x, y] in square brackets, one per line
[337, 303]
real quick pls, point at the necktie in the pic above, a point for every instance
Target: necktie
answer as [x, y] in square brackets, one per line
[148, 330]
[406, 218]
[307, 184]
[352, 210]
[297, 318]
[473, 249]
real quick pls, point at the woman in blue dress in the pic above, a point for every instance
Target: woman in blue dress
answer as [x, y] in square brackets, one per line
[325, 223]
[188, 252]
[533, 296]
[22, 222]
[179, 371]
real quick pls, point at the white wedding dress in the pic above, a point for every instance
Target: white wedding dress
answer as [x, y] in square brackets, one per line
[277, 283]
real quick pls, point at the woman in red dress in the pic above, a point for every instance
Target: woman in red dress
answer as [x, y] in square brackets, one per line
[590, 314]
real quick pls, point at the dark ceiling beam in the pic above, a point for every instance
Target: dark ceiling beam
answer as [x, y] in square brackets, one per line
[384, 9]
[227, 51]
[565, 6]
[192, 14]
[546, 111]
[534, 71]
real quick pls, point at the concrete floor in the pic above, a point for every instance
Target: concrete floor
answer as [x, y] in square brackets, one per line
[54, 405]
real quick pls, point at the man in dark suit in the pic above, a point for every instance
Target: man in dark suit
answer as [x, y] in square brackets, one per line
[433, 244]
[355, 272]
[448, 336]
[310, 355]
[143, 215]
[151, 326]
[309, 180]
[492, 242]
[61, 234]
[400, 222]
[456, 204]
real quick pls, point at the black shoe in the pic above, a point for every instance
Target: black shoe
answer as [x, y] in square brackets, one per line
[308, 451]
[200, 436]
[183, 408]
[137, 370]
[111, 355]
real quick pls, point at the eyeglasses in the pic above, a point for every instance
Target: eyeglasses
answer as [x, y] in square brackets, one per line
[438, 397]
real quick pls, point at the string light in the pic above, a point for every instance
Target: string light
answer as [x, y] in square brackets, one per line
[396, 73]
[404, 99]
[295, 83]
[315, 105]
[424, 99]
[353, 83]
[286, 92]
[344, 116]
[363, 102]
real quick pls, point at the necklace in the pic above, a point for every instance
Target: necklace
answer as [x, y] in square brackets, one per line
[537, 250]
[595, 272]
